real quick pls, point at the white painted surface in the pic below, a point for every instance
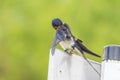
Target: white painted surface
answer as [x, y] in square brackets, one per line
[63, 66]
[110, 70]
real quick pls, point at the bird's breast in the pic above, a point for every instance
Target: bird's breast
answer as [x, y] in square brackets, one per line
[67, 44]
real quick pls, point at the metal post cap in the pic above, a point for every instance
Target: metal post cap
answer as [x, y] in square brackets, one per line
[112, 52]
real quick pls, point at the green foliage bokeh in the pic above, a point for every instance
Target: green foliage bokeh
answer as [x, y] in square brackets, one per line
[26, 33]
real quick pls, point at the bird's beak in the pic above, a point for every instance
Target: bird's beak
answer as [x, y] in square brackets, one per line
[55, 27]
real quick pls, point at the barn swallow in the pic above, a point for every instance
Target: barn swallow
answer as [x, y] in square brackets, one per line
[69, 43]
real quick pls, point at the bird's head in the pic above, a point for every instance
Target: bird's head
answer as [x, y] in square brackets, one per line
[56, 22]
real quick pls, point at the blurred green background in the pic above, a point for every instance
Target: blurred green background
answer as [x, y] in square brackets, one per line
[26, 33]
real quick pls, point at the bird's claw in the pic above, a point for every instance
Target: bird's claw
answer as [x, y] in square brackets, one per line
[69, 51]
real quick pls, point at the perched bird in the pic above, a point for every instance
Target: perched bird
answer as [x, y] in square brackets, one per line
[65, 38]
[69, 43]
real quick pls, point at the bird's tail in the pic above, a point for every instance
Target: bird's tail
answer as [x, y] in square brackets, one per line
[85, 49]
[78, 49]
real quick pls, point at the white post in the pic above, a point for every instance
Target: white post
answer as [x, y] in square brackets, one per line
[111, 63]
[63, 66]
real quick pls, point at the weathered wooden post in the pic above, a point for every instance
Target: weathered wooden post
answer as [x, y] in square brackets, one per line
[111, 63]
[63, 66]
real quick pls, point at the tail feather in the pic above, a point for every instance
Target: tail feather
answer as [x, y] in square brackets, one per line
[85, 49]
[79, 49]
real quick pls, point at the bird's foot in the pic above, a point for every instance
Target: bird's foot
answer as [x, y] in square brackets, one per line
[69, 51]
